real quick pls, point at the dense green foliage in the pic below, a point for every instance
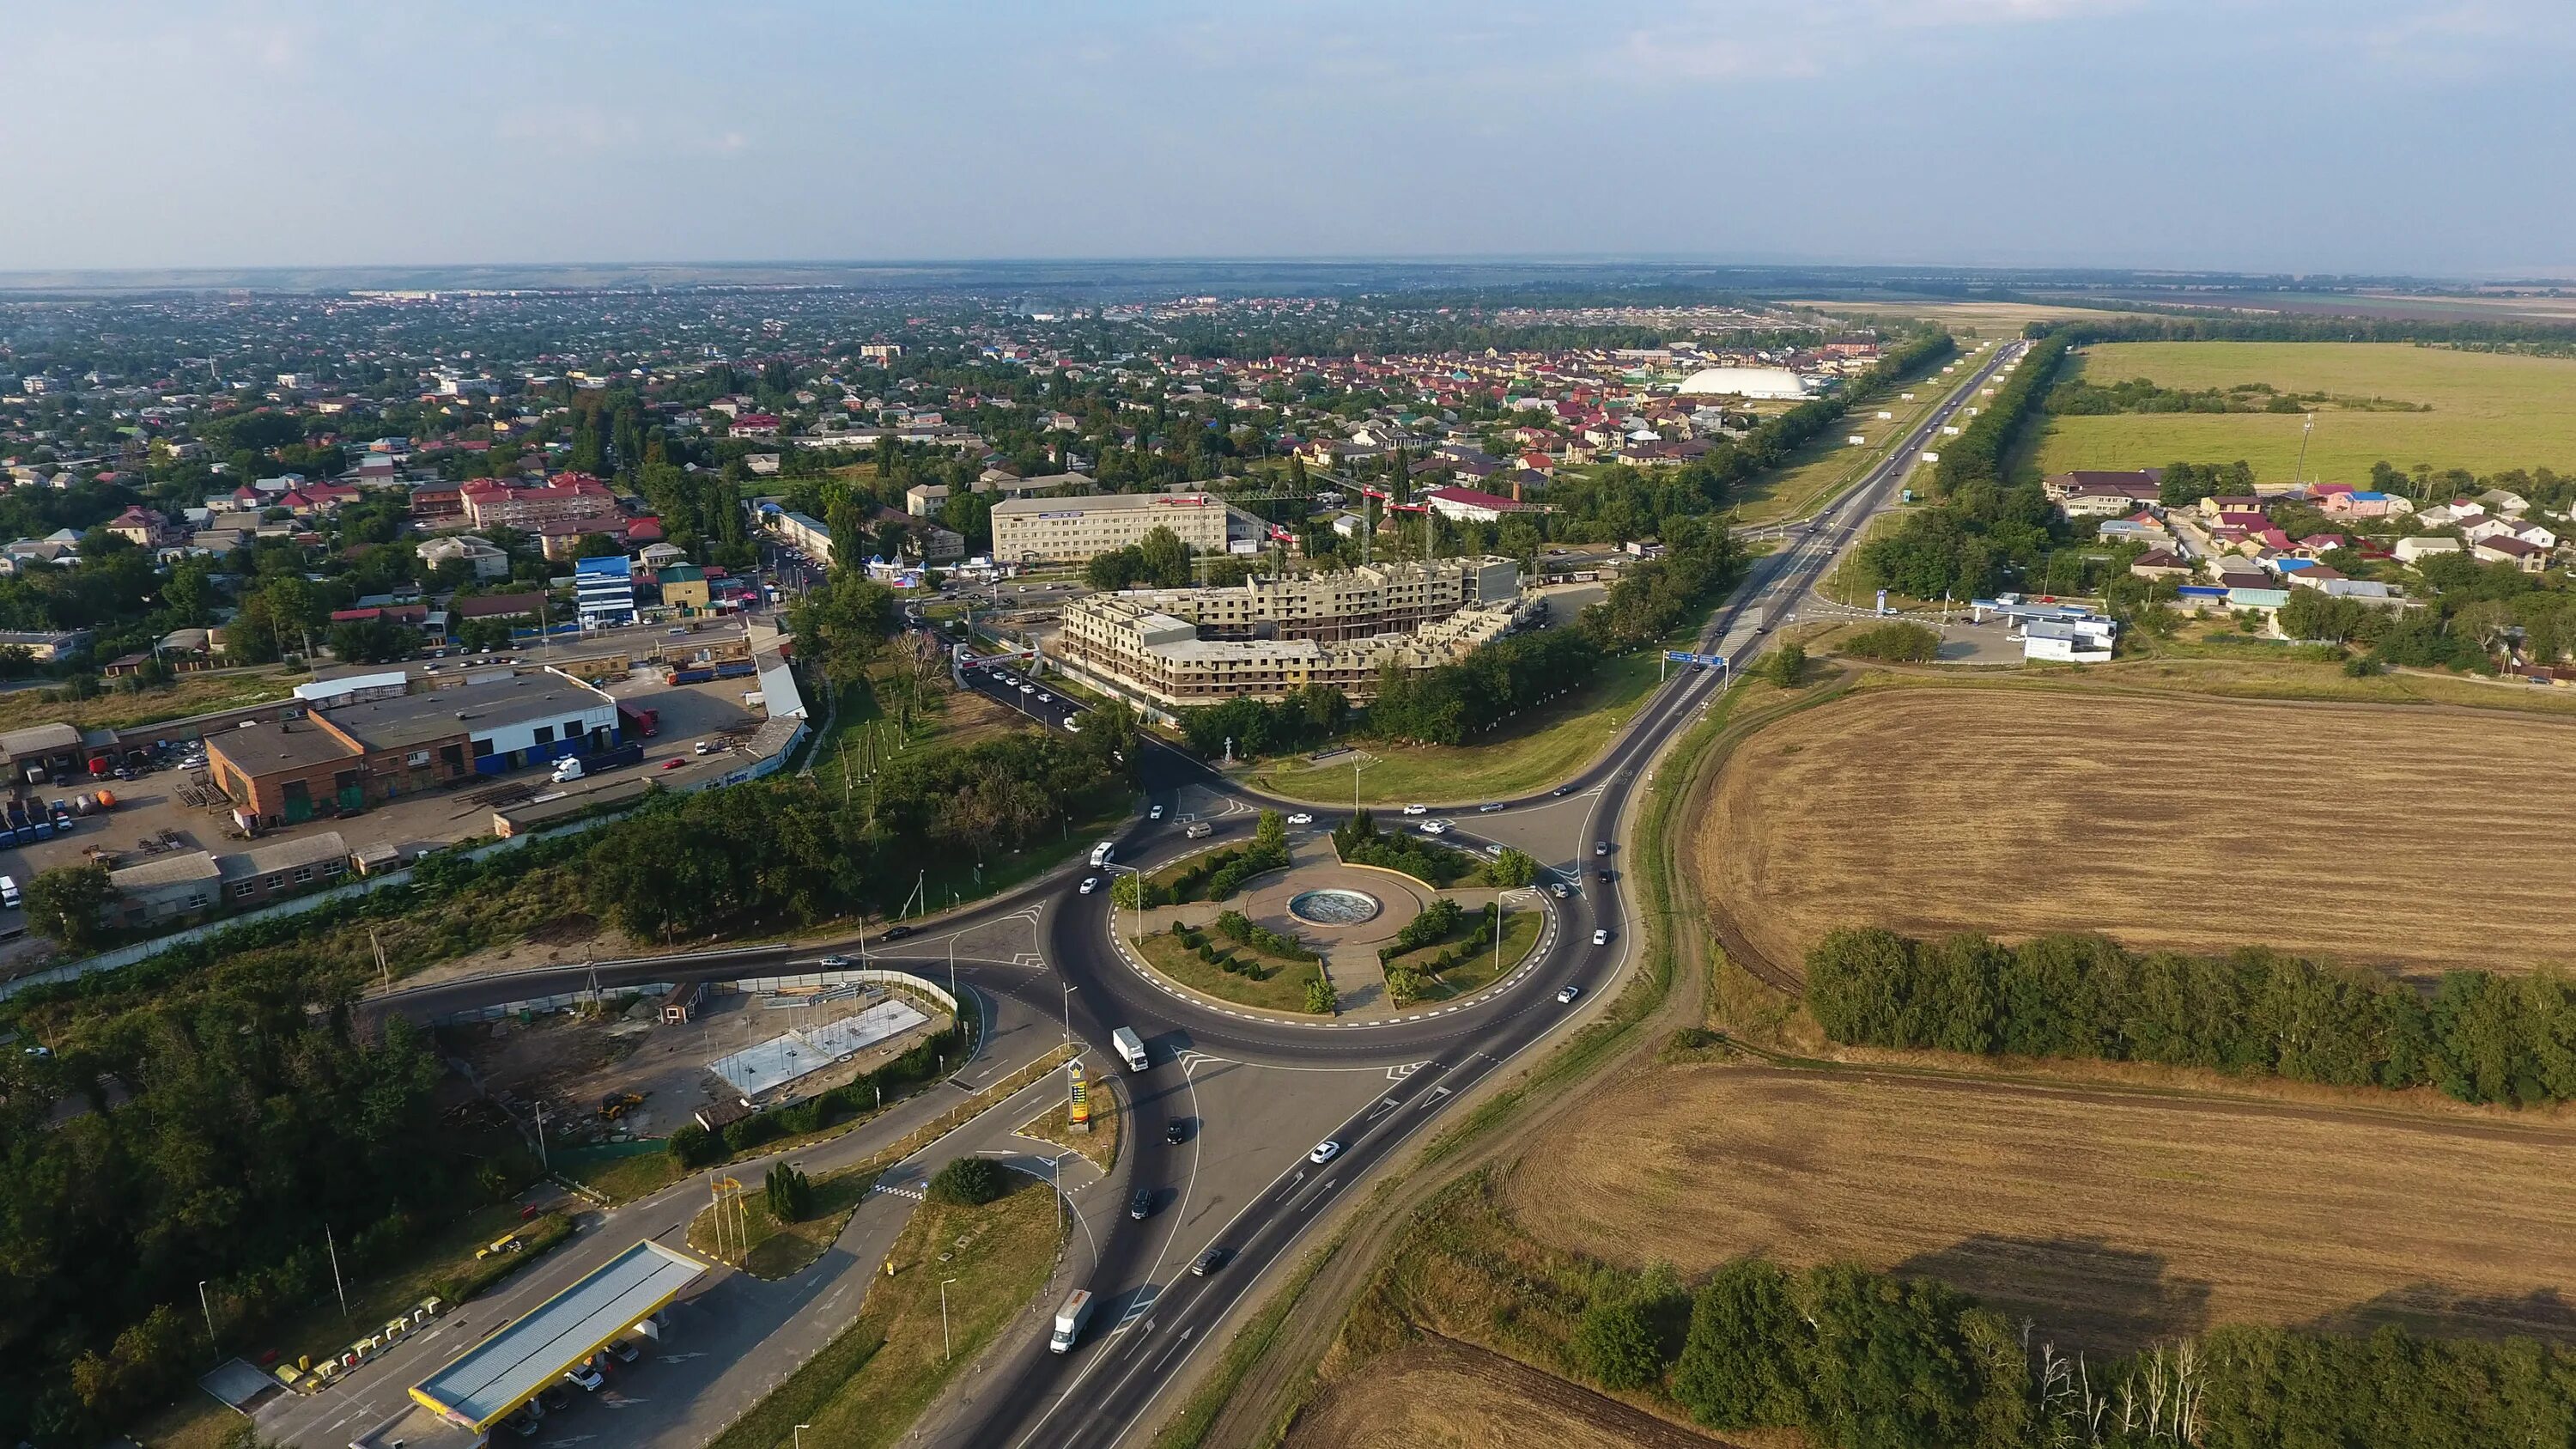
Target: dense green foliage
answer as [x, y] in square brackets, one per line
[1977, 455]
[778, 851]
[1449, 703]
[1651, 598]
[968, 1182]
[790, 1194]
[1238, 926]
[2479, 1037]
[1437, 919]
[1785, 666]
[209, 1136]
[1897, 642]
[1865, 1360]
[1309, 715]
[1362, 843]
[1158, 560]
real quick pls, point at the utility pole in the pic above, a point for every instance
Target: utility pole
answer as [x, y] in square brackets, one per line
[334, 1249]
[208, 1304]
[381, 968]
[541, 1138]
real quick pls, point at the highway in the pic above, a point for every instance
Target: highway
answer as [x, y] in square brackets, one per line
[1156, 1317]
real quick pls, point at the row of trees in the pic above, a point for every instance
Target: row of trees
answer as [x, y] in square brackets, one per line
[1863, 1360]
[1652, 598]
[2479, 1036]
[777, 852]
[1448, 703]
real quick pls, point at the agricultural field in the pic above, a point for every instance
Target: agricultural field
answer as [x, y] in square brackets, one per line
[2488, 411]
[1448, 1395]
[2379, 835]
[1968, 319]
[2114, 1220]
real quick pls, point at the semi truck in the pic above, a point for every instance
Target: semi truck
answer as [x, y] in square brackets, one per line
[1069, 1321]
[615, 757]
[1131, 1046]
[641, 723]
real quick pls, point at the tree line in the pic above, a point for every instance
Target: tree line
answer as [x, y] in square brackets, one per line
[2477, 1036]
[1864, 1360]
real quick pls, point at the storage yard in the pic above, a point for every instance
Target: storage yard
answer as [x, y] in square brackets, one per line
[2119, 1219]
[2417, 838]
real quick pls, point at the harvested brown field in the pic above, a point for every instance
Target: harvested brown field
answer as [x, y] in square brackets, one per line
[1446, 1395]
[2112, 1219]
[2415, 837]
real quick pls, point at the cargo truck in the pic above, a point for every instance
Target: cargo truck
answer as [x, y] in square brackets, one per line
[1069, 1321]
[1131, 1046]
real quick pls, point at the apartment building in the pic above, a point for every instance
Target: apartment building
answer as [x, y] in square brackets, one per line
[1181, 647]
[1349, 604]
[1073, 530]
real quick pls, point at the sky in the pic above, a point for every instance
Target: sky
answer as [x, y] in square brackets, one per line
[2424, 137]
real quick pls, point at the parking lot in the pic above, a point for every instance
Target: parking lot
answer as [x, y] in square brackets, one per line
[177, 808]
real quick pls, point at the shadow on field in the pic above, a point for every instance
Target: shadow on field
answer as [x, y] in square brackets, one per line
[2435, 1310]
[2082, 1290]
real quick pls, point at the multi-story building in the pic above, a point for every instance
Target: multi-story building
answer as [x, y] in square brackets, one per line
[808, 534]
[604, 590]
[1073, 530]
[1175, 648]
[566, 495]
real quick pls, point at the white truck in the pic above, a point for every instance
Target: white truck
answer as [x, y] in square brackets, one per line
[1069, 1321]
[1101, 853]
[1131, 1046]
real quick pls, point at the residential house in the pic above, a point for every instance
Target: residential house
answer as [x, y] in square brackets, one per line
[2530, 558]
[2140, 486]
[2416, 550]
[487, 561]
[2160, 563]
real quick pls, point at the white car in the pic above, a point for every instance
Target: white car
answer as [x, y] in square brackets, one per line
[1045, 698]
[1601, 938]
[1301, 818]
[1028, 689]
[1090, 883]
[1325, 1151]
[1154, 814]
[1566, 997]
[586, 1376]
[1417, 809]
[1435, 827]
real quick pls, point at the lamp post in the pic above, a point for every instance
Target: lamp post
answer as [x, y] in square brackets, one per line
[799, 1440]
[945, 1348]
[208, 1304]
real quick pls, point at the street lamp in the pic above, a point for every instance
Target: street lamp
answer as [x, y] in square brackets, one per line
[799, 1442]
[208, 1304]
[945, 1349]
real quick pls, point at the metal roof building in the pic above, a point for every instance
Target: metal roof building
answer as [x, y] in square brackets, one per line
[490, 1380]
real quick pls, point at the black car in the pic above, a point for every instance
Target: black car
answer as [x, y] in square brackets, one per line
[555, 1397]
[895, 933]
[1562, 790]
[1209, 1262]
[1141, 1206]
[1175, 1133]
[1604, 877]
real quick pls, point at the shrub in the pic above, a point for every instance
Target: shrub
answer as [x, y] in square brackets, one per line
[1615, 1342]
[968, 1182]
[694, 1146]
[791, 1194]
[1319, 995]
[1895, 643]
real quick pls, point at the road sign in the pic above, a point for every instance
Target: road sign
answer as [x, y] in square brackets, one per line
[1684, 656]
[1078, 1114]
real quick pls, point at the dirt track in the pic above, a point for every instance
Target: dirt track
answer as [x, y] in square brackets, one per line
[2374, 835]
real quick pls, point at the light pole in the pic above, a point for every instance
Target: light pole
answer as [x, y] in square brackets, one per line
[799, 1442]
[208, 1304]
[945, 1349]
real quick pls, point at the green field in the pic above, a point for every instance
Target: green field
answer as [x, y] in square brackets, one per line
[2490, 411]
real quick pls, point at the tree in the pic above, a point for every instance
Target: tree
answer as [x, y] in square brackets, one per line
[968, 1182]
[1166, 560]
[1512, 868]
[64, 905]
[1785, 666]
[1897, 642]
[1319, 995]
[1616, 1343]
[791, 1194]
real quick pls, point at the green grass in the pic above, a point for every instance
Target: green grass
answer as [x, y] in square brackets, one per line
[620, 1171]
[1281, 986]
[1554, 741]
[867, 1386]
[2490, 411]
[772, 1249]
[1520, 933]
[1826, 465]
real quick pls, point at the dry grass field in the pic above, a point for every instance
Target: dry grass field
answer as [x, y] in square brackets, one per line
[1446, 1395]
[2417, 838]
[2113, 1220]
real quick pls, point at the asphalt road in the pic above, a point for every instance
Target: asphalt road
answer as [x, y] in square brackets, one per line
[1110, 1386]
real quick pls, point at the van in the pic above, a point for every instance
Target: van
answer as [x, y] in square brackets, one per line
[1198, 830]
[9, 897]
[1102, 853]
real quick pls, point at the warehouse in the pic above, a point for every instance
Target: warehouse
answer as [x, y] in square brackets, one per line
[284, 772]
[1770, 383]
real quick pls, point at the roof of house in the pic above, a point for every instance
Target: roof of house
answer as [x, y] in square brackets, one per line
[265, 747]
[287, 854]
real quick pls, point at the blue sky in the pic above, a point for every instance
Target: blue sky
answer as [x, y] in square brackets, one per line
[2423, 136]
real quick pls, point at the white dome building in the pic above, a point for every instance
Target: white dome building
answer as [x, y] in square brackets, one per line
[1772, 383]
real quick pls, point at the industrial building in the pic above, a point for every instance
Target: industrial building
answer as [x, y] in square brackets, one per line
[1765, 383]
[1173, 648]
[1073, 530]
[370, 750]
